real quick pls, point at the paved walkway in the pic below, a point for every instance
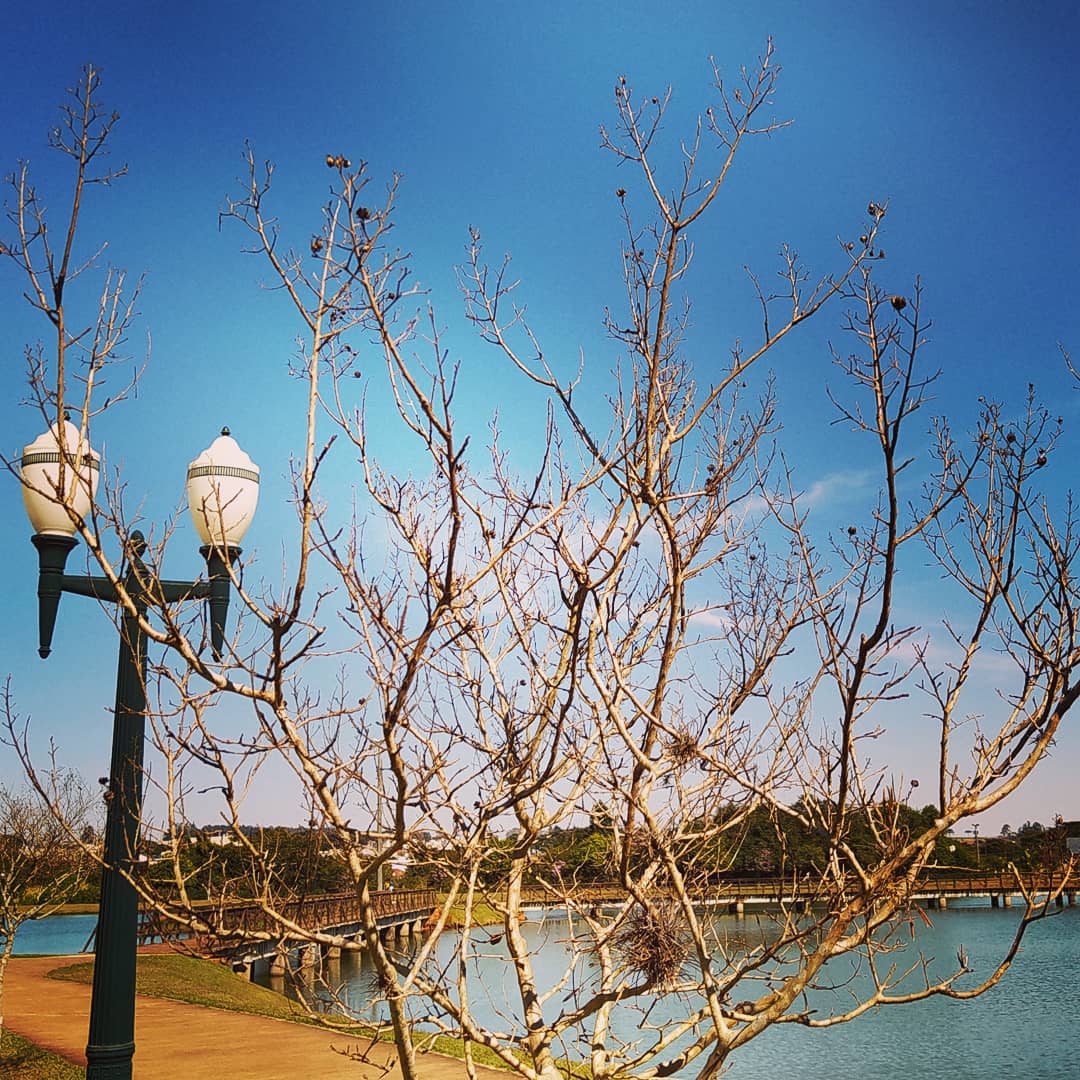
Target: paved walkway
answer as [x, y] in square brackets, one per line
[173, 1039]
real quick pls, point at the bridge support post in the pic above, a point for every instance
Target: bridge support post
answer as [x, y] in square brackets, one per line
[1060, 901]
[994, 900]
[737, 908]
[279, 964]
[1006, 900]
[332, 952]
[942, 903]
[1071, 897]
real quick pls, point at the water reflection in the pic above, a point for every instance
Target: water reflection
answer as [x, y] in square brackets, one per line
[1023, 1027]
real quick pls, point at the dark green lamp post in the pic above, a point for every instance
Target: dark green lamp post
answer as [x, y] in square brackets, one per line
[59, 474]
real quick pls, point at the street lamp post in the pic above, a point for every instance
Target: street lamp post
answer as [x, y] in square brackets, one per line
[59, 473]
[974, 831]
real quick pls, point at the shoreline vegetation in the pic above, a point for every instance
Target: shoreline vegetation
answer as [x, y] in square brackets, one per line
[483, 914]
[88, 908]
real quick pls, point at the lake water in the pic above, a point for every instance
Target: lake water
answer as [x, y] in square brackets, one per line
[1025, 1027]
[59, 935]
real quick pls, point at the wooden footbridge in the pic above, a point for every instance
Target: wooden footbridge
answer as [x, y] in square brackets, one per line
[243, 933]
[736, 894]
[247, 932]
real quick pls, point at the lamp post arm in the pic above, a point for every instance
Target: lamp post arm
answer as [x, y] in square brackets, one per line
[139, 585]
[98, 588]
[215, 588]
[176, 592]
[154, 592]
[145, 592]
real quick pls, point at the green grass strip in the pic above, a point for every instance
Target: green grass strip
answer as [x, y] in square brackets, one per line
[195, 982]
[21, 1059]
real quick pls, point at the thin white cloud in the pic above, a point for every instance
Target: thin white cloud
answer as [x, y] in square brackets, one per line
[838, 487]
[712, 616]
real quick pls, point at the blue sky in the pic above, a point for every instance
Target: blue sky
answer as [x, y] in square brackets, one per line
[961, 115]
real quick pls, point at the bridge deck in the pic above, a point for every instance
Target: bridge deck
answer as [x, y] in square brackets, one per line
[243, 925]
[791, 889]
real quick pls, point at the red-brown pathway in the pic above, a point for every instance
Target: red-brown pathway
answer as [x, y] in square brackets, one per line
[174, 1039]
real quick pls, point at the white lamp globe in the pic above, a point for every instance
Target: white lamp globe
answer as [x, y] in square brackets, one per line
[223, 490]
[59, 474]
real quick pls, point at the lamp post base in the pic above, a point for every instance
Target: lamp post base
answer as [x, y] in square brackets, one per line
[109, 1062]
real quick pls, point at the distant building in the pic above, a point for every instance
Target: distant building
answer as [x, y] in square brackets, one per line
[219, 835]
[1072, 837]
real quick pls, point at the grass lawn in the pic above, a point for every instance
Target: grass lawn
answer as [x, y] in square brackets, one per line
[197, 982]
[22, 1060]
[483, 914]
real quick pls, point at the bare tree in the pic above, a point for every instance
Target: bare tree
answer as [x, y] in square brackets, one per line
[642, 627]
[42, 865]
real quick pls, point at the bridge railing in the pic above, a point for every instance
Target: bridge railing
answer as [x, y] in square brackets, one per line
[995, 882]
[237, 920]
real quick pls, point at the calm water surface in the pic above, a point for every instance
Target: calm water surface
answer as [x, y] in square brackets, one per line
[60, 935]
[1026, 1027]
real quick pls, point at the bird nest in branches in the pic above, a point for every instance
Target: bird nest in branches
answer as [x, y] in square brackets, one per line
[655, 943]
[682, 747]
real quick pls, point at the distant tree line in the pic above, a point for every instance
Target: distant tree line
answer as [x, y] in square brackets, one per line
[766, 844]
[213, 863]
